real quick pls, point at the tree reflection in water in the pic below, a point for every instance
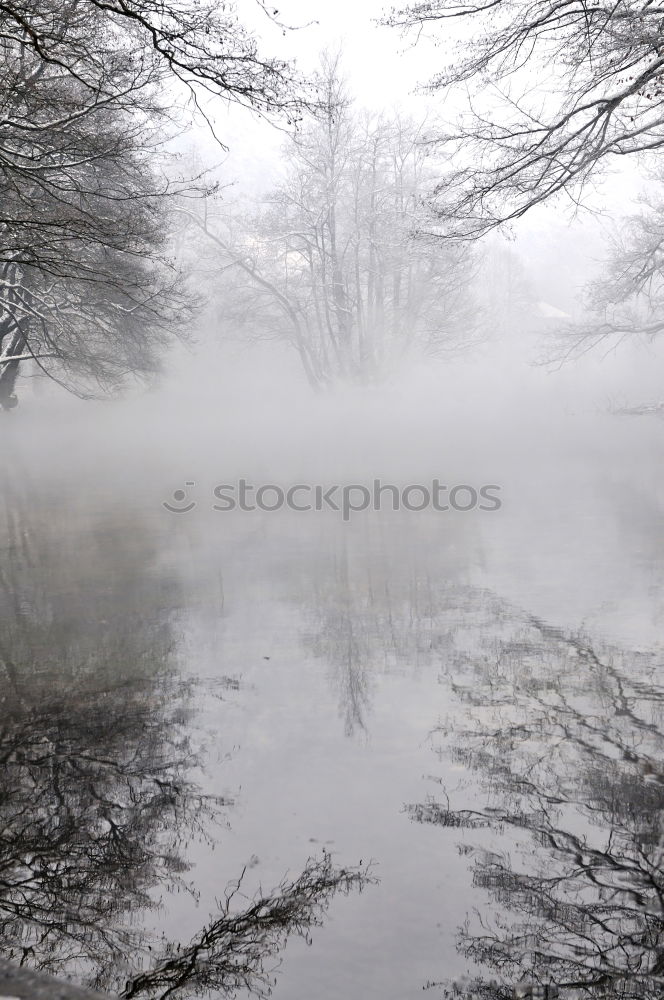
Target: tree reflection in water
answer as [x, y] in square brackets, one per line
[370, 604]
[564, 741]
[98, 793]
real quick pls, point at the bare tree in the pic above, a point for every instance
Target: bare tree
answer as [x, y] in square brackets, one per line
[556, 91]
[335, 263]
[205, 46]
[627, 300]
[89, 287]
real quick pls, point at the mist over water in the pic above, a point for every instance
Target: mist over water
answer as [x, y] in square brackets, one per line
[339, 687]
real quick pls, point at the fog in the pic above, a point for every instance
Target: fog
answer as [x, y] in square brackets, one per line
[220, 411]
[371, 749]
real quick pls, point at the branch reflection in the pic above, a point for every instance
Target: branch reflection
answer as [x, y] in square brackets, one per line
[563, 742]
[100, 792]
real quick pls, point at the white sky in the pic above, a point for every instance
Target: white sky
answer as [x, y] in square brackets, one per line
[383, 69]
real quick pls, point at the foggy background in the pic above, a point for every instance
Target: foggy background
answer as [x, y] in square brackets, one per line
[299, 684]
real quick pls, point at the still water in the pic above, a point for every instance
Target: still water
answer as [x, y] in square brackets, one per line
[416, 752]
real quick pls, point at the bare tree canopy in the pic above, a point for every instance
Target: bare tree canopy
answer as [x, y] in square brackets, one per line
[627, 299]
[555, 90]
[200, 44]
[89, 285]
[333, 261]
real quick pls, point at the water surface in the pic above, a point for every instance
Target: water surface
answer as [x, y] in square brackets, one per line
[413, 752]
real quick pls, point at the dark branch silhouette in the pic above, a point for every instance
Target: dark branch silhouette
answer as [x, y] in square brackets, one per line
[556, 91]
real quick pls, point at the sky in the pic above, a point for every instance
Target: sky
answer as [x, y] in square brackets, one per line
[385, 70]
